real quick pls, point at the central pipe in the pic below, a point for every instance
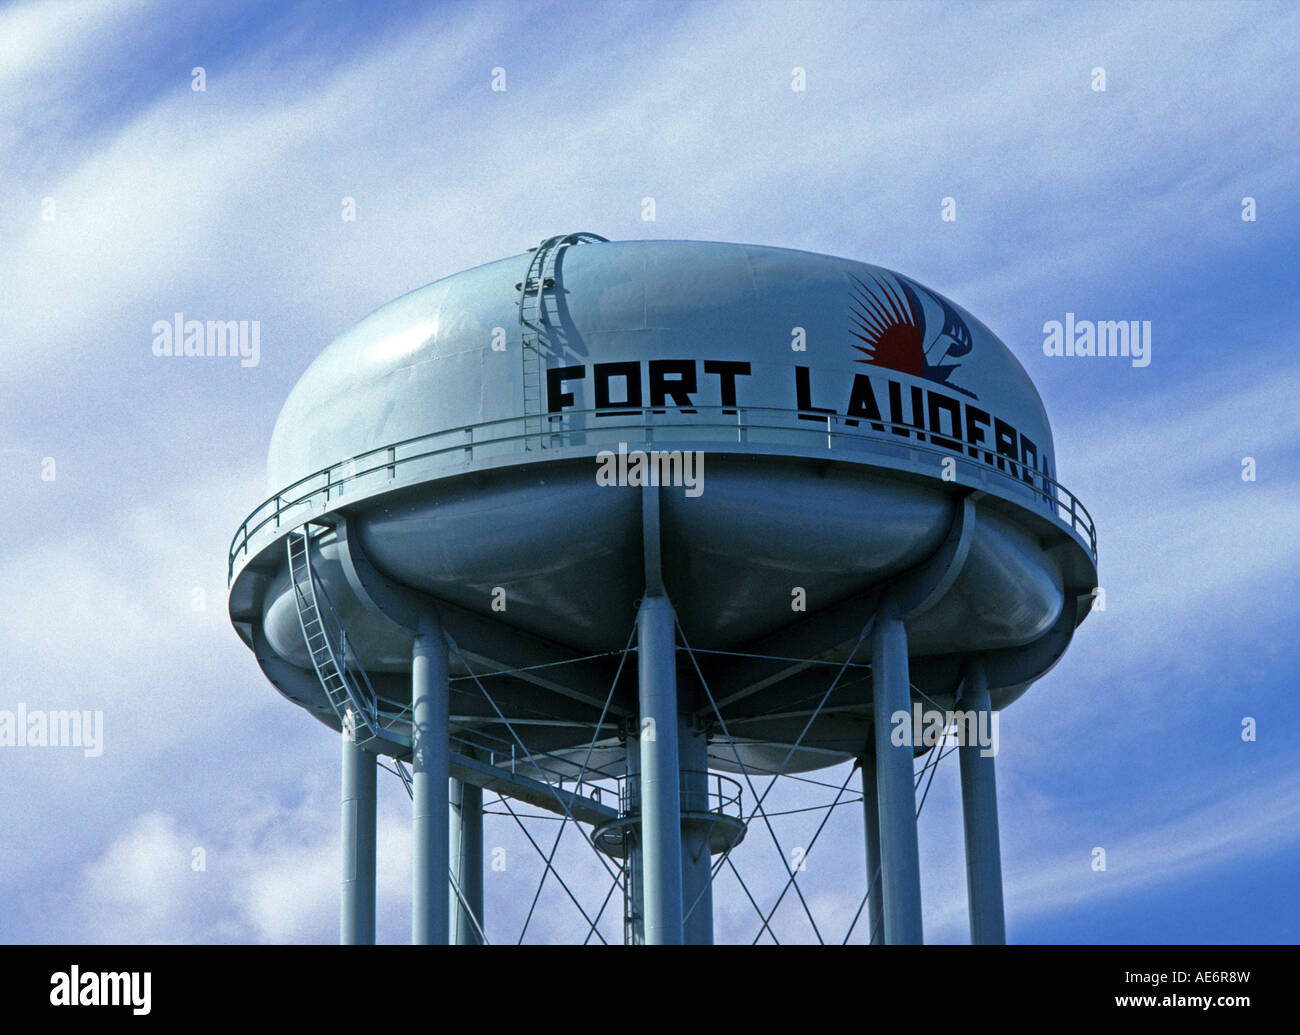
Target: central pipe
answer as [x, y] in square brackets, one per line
[661, 811]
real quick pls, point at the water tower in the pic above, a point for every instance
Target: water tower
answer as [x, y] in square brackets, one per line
[622, 514]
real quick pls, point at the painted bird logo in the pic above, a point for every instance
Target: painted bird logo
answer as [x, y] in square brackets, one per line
[889, 320]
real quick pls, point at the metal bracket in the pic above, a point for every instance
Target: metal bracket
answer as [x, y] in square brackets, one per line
[407, 607]
[652, 541]
[918, 590]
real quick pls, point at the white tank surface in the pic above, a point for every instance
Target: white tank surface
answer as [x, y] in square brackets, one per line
[831, 430]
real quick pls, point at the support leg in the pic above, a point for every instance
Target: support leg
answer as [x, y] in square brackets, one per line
[431, 765]
[900, 870]
[466, 846]
[871, 821]
[979, 804]
[357, 912]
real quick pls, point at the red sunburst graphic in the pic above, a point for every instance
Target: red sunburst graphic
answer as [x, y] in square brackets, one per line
[888, 327]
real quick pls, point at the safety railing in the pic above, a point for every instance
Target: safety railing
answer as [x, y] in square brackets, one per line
[716, 793]
[452, 450]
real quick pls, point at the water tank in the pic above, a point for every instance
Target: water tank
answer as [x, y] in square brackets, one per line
[827, 428]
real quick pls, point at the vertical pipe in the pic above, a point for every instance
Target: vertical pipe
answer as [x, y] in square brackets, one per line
[697, 860]
[465, 840]
[431, 769]
[900, 867]
[979, 806]
[357, 901]
[661, 831]
[871, 821]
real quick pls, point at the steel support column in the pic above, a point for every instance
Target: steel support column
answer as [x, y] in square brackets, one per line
[900, 868]
[465, 840]
[357, 902]
[697, 860]
[871, 822]
[661, 831]
[979, 806]
[430, 771]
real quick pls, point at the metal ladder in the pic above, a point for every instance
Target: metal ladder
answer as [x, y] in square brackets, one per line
[633, 919]
[534, 332]
[346, 685]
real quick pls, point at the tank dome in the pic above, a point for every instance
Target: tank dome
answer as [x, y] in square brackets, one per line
[426, 361]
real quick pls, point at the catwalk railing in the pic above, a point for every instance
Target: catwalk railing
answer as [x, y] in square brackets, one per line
[453, 450]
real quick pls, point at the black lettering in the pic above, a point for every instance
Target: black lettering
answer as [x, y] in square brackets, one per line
[953, 408]
[976, 421]
[603, 373]
[727, 371]
[1049, 484]
[1028, 459]
[862, 403]
[556, 398]
[896, 411]
[1004, 441]
[803, 394]
[679, 389]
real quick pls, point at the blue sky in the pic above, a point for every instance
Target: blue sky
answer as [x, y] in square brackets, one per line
[225, 204]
